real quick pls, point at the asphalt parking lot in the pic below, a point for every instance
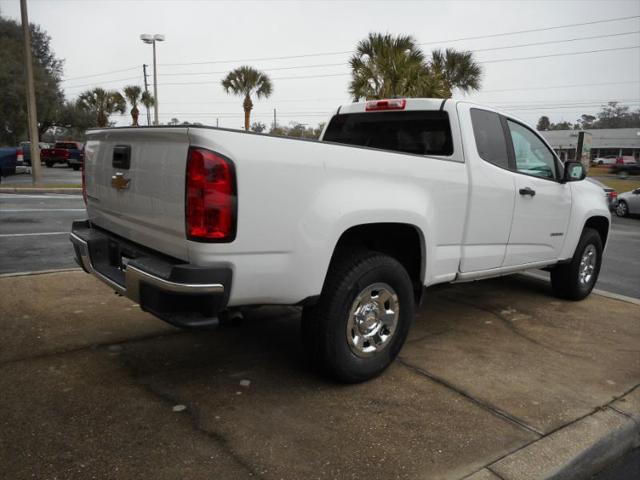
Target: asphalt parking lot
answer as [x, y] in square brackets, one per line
[494, 373]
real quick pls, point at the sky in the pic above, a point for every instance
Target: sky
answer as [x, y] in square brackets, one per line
[99, 42]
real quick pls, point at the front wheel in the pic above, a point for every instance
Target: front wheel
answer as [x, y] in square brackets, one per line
[576, 279]
[49, 164]
[362, 318]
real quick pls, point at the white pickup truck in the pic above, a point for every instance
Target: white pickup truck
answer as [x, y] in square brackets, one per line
[397, 195]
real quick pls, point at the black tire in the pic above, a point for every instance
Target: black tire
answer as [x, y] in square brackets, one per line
[622, 209]
[324, 325]
[49, 164]
[566, 279]
[76, 167]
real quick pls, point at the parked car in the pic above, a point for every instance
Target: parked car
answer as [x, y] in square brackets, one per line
[194, 222]
[628, 203]
[623, 170]
[607, 160]
[626, 160]
[24, 152]
[609, 193]
[70, 153]
[8, 161]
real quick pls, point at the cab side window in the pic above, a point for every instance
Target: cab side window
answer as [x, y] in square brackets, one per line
[532, 156]
[490, 139]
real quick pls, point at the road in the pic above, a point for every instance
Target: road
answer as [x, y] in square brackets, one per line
[58, 175]
[33, 237]
[34, 231]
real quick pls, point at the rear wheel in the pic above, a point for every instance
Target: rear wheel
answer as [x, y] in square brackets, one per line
[48, 164]
[362, 318]
[576, 279]
[622, 209]
[76, 167]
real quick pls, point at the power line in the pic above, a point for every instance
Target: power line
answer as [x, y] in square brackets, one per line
[211, 62]
[106, 81]
[560, 86]
[561, 54]
[299, 77]
[343, 64]
[100, 74]
[533, 30]
[424, 43]
[554, 41]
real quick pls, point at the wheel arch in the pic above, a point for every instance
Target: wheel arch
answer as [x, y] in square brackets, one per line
[403, 241]
[601, 225]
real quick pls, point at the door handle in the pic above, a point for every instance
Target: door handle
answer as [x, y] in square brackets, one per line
[527, 191]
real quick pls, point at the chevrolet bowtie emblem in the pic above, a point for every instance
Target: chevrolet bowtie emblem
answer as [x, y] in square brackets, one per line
[119, 182]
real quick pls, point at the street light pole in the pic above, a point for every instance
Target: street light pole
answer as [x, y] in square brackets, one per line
[152, 39]
[31, 97]
[155, 86]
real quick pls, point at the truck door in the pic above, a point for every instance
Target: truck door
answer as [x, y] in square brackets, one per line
[542, 205]
[491, 189]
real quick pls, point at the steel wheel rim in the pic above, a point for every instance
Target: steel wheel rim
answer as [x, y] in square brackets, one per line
[621, 209]
[373, 319]
[587, 265]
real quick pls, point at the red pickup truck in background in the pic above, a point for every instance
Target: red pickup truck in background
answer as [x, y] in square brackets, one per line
[70, 153]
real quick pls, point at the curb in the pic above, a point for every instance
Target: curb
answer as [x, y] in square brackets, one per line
[616, 296]
[72, 190]
[596, 291]
[578, 450]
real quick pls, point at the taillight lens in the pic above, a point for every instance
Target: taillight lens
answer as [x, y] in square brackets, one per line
[613, 195]
[211, 197]
[392, 104]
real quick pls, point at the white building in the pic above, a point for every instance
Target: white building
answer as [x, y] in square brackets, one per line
[606, 141]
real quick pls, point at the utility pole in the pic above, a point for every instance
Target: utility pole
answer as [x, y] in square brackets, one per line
[31, 97]
[275, 124]
[146, 89]
[216, 122]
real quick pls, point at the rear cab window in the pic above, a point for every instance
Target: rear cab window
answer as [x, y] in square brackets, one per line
[418, 132]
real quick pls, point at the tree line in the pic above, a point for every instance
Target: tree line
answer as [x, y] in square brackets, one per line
[612, 115]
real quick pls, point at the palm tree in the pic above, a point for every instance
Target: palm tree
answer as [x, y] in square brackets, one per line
[102, 103]
[385, 66]
[132, 94]
[148, 101]
[457, 70]
[246, 81]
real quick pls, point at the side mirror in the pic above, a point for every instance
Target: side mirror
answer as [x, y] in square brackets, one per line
[573, 172]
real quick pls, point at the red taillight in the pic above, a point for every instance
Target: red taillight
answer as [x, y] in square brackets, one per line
[393, 104]
[211, 202]
[19, 156]
[613, 195]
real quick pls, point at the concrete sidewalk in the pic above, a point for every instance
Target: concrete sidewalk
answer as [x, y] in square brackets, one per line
[498, 380]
